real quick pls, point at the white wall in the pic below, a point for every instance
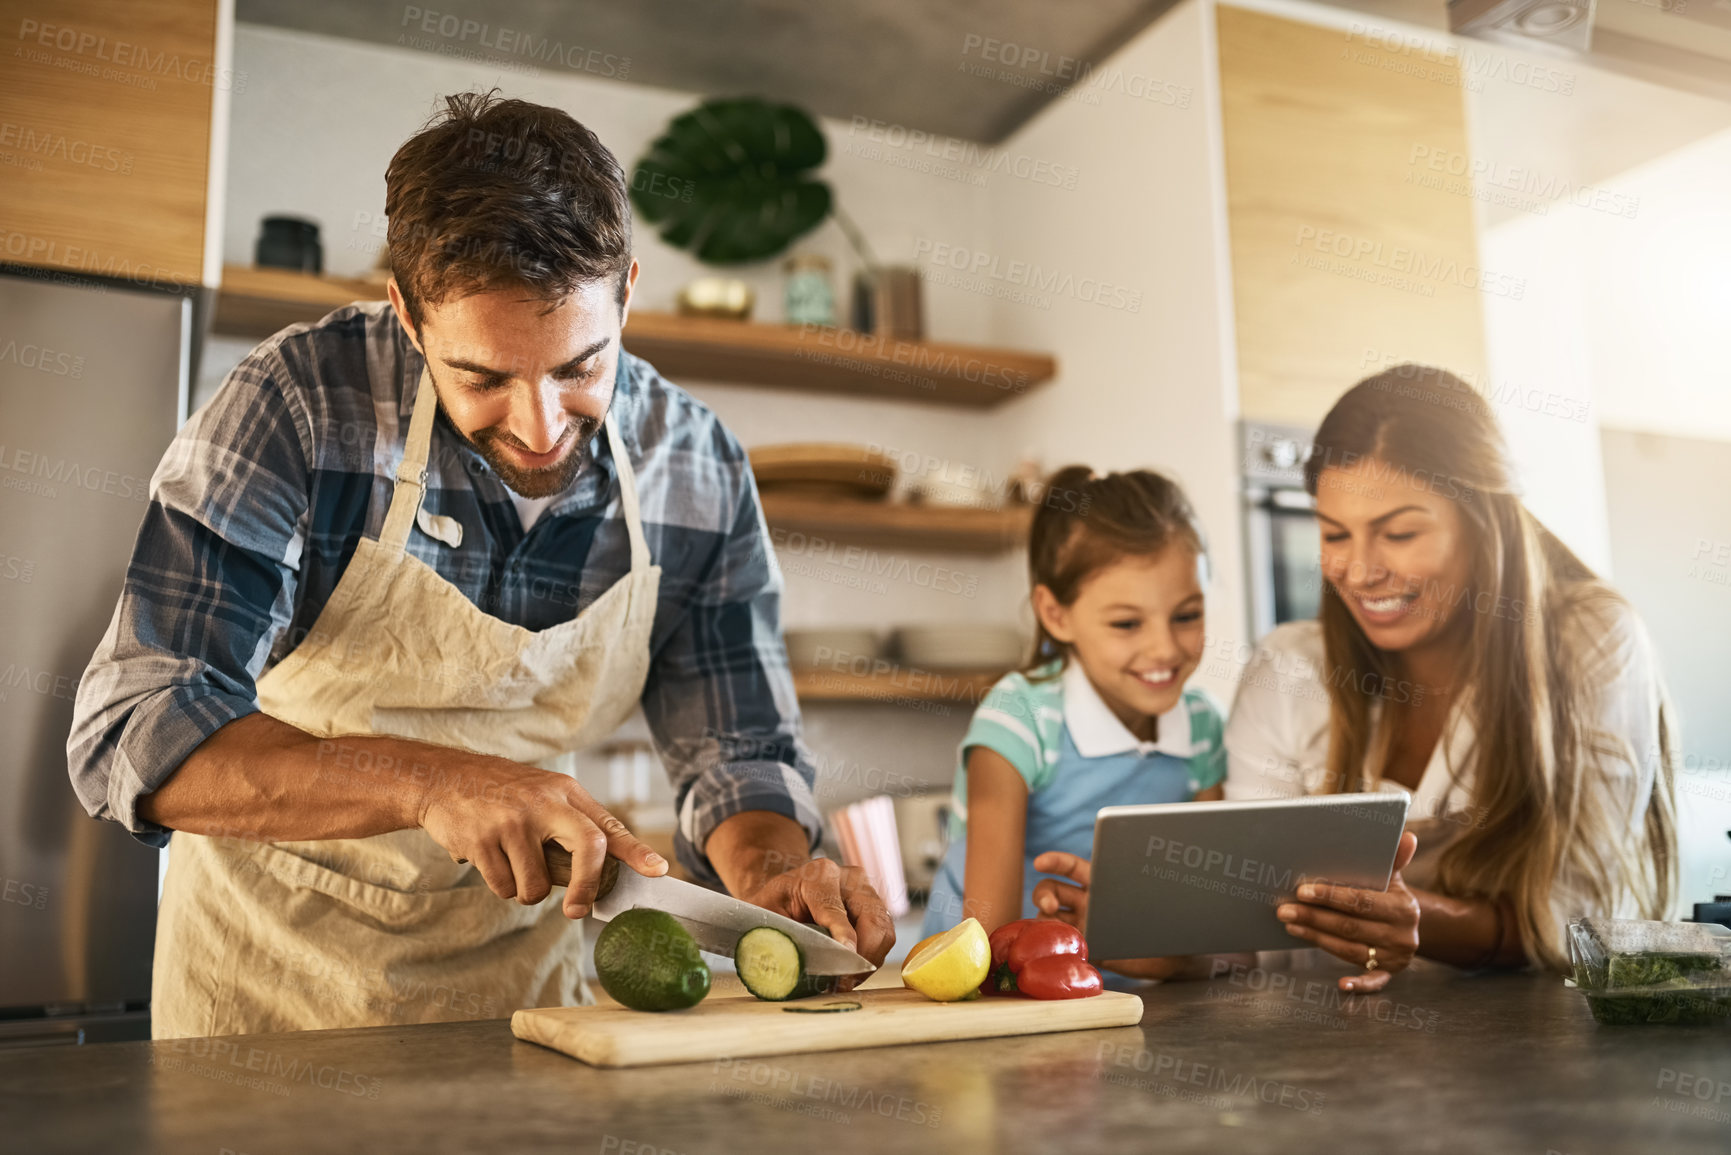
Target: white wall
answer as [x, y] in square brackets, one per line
[1659, 298]
[1670, 522]
[1658, 302]
[1541, 379]
[1627, 263]
[1154, 387]
[1524, 138]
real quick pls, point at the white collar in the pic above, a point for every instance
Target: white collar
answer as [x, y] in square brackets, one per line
[1098, 733]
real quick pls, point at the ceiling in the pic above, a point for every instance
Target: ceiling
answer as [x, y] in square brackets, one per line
[899, 61]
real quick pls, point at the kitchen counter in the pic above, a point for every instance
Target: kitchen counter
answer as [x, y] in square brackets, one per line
[1255, 1061]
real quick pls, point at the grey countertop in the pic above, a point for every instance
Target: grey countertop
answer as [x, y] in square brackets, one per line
[1255, 1061]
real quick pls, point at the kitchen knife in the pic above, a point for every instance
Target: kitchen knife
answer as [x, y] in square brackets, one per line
[714, 919]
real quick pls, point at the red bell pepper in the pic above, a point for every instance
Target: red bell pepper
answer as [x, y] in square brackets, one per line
[1058, 976]
[1043, 959]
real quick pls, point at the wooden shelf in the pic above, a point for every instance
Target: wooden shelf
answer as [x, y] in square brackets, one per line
[820, 359]
[896, 686]
[960, 529]
[258, 302]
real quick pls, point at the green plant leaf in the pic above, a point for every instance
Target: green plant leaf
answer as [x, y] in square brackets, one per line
[730, 180]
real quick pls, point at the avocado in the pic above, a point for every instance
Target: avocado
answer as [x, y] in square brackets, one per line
[648, 962]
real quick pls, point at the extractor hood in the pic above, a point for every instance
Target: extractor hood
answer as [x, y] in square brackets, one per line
[1678, 43]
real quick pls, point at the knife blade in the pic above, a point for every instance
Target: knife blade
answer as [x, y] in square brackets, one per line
[715, 920]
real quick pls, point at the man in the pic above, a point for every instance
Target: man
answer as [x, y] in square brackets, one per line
[405, 554]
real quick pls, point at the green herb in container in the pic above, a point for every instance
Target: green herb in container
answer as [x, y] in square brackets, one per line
[1634, 971]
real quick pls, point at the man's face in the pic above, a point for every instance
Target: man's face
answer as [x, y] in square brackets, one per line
[526, 386]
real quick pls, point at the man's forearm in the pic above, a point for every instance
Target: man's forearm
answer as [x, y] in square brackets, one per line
[753, 846]
[264, 779]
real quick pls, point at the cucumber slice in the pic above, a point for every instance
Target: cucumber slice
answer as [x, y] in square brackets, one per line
[826, 1009]
[772, 967]
[770, 964]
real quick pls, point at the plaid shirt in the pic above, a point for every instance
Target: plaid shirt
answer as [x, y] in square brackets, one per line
[261, 499]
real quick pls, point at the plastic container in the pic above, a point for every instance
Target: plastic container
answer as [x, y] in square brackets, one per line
[1633, 971]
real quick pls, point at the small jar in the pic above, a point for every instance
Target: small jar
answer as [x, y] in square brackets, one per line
[810, 296]
[289, 243]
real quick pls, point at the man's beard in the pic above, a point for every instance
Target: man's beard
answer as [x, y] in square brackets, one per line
[545, 482]
[531, 483]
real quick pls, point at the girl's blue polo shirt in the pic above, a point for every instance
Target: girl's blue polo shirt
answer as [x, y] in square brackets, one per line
[1076, 756]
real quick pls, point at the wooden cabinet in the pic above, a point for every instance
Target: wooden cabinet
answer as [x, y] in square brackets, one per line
[106, 108]
[1351, 245]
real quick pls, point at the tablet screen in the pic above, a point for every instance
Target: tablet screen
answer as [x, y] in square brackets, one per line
[1205, 877]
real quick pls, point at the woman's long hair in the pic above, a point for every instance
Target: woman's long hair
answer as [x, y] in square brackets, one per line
[1532, 668]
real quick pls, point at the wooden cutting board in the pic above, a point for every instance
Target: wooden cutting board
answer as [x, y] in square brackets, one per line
[737, 1027]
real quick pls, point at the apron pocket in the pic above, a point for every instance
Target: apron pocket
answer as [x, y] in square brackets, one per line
[321, 948]
[305, 884]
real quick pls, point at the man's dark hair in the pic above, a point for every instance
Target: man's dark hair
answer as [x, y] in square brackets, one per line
[499, 192]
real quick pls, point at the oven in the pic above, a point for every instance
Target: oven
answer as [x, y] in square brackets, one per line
[1281, 541]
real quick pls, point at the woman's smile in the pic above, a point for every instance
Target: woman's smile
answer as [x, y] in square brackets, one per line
[1381, 609]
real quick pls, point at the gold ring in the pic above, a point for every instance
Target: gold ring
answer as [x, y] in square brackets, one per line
[1371, 963]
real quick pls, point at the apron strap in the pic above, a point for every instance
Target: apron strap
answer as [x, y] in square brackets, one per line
[412, 473]
[628, 496]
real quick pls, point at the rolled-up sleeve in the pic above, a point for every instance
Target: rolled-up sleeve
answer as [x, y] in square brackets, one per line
[207, 589]
[719, 698]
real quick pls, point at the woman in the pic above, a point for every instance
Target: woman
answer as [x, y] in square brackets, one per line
[1469, 657]
[1462, 653]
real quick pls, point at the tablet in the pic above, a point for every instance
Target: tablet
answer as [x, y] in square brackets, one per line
[1205, 877]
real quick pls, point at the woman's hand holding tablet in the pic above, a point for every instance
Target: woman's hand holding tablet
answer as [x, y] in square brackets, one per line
[1374, 929]
[1181, 886]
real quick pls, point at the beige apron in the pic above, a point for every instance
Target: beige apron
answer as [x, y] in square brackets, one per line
[255, 936]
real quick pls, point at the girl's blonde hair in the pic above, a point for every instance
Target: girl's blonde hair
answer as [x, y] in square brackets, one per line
[1536, 614]
[1085, 523]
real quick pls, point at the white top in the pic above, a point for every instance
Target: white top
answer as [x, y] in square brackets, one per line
[1099, 733]
[1277, 740]
[529, 509]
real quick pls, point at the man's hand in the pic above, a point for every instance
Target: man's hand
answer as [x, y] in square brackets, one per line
[500, 814]
[762, 858]
[837, 898]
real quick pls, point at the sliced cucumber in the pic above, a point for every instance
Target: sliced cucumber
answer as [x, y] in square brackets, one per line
[772, 967]
[770, 964]
[826, 1009]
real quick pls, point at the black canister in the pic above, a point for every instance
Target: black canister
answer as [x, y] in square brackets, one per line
[289, 243]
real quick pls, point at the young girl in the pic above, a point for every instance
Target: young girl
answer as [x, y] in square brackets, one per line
[1101, 716]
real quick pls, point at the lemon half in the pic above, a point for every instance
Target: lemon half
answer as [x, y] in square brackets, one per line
[950, 966]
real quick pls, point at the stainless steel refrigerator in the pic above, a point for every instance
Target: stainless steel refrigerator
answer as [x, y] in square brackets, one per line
[93, 384]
